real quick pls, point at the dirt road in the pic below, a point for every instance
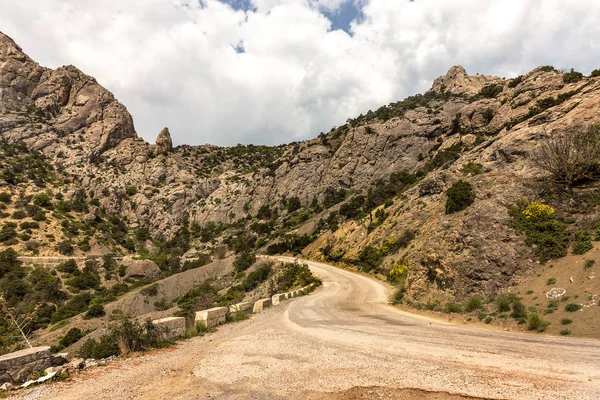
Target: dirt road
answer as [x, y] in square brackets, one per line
[344, 342]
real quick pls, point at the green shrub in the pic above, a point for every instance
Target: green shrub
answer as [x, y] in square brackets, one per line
[293, 204]
[536, 323]
[460, 196]
[472, 169]
[150, 290]
[474, 303]
[42, 200]
[503, 302]
[105, 347]
[452, 308]
[19, 214]
[369, 258]
[588, 264]
[162, 304]
[565, 321]
[244, 261]
[491, 91]
[5, 197]
[68, 266]
[565, 332]
[582, 243]
[76, 305]
[514, 82]
[572, 76]
[518, 310]
[551, 281]
[595, 73]
[96, 310]
[72, 336]
[572, 307]
[398, 295]
[65, 248]
[295, 275]
[131, 190]
[122, 270]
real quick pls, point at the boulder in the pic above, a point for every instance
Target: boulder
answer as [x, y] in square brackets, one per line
[140, 269]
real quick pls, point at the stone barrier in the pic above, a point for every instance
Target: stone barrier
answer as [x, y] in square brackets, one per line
[245, 308]
[16, 367]
[261, 304]
[277, 298]
[212, 317]
[171, 327]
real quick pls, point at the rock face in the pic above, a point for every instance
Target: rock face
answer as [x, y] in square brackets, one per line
[164, 144]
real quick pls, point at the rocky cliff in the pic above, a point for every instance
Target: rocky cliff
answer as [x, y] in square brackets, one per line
[398, 160]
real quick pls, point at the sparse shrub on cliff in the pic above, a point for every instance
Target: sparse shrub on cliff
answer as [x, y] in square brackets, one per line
[572, 307]
[491, 91]
[460, 196]
[244, 261]
[514, 82]
[570, 156]
[472, 169]
[572, 76]
[595, 73]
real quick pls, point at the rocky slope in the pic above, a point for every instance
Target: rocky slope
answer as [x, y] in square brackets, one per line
[401, 158]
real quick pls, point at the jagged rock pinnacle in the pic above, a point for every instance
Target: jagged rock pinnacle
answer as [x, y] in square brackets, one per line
[164, 144]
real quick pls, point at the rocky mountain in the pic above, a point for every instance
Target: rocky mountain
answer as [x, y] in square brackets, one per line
[371, 193]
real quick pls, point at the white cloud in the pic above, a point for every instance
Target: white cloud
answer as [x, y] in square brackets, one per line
[173, 62]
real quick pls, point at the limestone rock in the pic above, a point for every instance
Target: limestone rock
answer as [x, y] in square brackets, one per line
[164, 144]
[139, 269]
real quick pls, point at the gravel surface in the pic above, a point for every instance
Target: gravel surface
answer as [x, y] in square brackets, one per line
[344, 342]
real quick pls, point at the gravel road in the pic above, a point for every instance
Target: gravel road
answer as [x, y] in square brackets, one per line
[344, 342]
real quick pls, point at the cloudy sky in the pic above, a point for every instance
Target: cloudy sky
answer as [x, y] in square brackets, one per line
[276, 71]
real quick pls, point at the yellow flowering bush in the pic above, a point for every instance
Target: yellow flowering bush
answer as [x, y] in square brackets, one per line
[537, 210]
[387, 246]
[399, 270]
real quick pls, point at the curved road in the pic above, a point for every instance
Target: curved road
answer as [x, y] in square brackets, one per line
[344, 336]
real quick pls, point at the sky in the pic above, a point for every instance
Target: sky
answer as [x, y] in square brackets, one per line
[275, 71]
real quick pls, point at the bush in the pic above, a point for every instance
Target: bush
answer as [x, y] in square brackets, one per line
[71, 337]
[68, 266]
[491, 91]
[256, 277]
[565, 332]
[452, 308]
[537, 221]
[293, 204]
[42, 200]
[589, 264]
[472, 169]
[582, 243]
[572, 76]
[65, 248]
[151, 290]
[398, 295]
[474, 303]
[518, 310]
[460, 196]
[131, 190]
[572, 307]
[369, 258]
[19, 214]
[244, 261]
[565, 321]
[551, 281]
[595, 73]
[514, 82]
[78, 304]
[105, 347]
[503, 303]
[5, 197]
[96, 310]
[536, 323]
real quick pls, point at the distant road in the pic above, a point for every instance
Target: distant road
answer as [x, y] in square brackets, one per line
[344, 336]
